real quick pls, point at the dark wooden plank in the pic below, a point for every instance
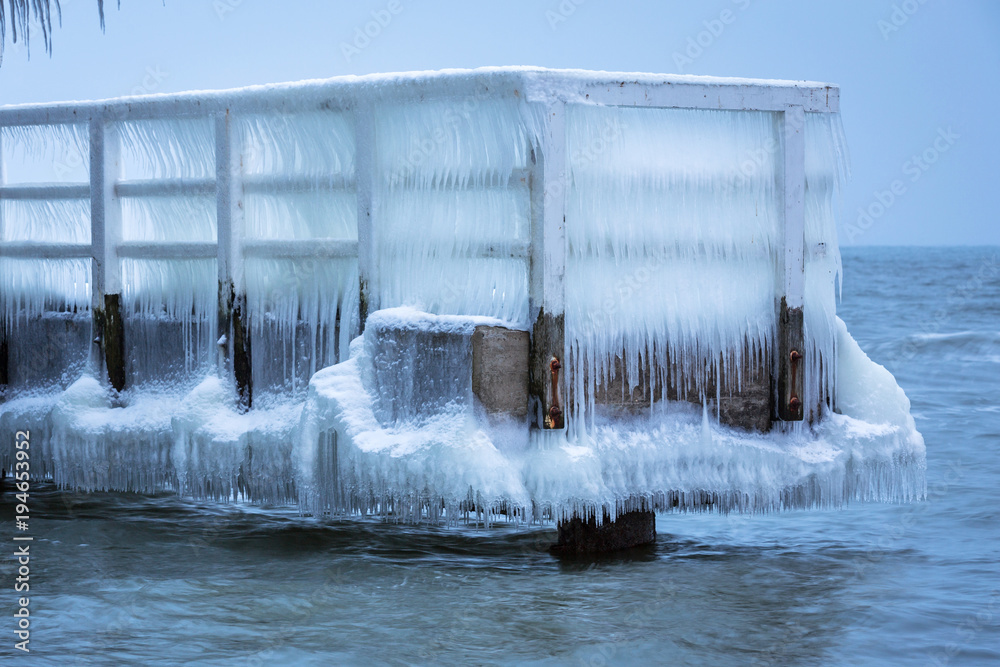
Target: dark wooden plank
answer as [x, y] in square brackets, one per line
[242, 360]
[113, 340]
[547, 345]
[791, 374]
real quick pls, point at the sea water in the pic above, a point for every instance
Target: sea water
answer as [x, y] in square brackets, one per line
[130, 579]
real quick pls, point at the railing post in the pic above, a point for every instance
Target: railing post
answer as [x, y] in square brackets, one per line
[790, 350]
[105, 234]
[235, 353]
[364, 183]
[547, 273]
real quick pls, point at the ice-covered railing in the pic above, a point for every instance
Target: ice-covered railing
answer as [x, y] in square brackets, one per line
[673, 232]
[315, 203]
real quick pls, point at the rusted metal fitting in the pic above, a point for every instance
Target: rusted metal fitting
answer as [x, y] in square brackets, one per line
[794, 404]
[554, 419]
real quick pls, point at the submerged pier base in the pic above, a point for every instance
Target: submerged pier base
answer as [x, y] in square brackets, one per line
[628, 530]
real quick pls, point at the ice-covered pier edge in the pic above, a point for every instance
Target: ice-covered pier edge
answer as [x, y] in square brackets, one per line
[274, 293]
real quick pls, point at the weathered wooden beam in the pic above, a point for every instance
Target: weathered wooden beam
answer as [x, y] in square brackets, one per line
[235, 353]
[113, 340]
[364, 165]
[791, 375]
[242, 352]
[547, 272]
[790, 362]
[105, 235]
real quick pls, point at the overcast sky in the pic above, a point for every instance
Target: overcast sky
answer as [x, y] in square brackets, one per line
[920, 79]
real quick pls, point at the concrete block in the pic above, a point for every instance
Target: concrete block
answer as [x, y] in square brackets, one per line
[500, 370]
[48, 350]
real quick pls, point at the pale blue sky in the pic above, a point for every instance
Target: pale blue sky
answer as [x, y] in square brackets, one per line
[934, 79]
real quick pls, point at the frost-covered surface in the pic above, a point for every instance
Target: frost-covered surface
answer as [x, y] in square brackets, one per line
[536, 83]
[673, 223]
[675, 230]
[341, 451]
[674, 235]
[678, 457]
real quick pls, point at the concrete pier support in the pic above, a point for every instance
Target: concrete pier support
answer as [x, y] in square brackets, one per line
[631, 529]
[500, 370]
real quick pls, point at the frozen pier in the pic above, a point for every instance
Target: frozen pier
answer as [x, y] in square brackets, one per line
[653, 257]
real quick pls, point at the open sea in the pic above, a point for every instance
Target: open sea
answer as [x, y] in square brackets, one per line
[147, 580]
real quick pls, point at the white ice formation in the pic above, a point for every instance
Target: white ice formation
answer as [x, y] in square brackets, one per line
[674, 231]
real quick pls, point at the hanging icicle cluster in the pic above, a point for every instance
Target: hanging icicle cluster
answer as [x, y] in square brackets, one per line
[24, 13]
[674, 232]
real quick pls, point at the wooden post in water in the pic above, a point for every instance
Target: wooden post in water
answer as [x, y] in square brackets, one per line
[790, 349]
[547, 273]
[105, 235]
[233, 324]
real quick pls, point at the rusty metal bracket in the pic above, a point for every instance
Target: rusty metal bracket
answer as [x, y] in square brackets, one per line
[790, 367]
[554, 419]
